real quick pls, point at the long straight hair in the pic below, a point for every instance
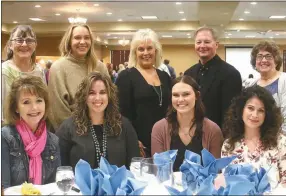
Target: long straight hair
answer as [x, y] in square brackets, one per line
[199, 113]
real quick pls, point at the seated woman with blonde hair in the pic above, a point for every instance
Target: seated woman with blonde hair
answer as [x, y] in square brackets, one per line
[96, 127]
[185, 127]
[30, 152]
[253, 123]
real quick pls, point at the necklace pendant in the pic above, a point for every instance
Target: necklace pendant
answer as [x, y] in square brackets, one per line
[160, 104]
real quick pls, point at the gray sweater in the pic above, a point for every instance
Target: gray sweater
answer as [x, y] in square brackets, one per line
[120, 149]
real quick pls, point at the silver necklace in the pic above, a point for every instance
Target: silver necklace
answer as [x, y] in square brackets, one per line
[159, 95]
[99, 154]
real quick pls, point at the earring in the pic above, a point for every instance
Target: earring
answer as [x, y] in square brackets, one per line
[173, 109]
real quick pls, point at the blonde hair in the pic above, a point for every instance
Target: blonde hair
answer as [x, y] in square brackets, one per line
[206, 28]
[140, 36]
[29, 84]
[65, 46]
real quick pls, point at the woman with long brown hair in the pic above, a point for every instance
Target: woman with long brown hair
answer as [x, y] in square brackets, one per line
[186, 127]
[96, 128]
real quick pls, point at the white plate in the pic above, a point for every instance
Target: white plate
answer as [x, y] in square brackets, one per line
[16, 190]
[47, 189]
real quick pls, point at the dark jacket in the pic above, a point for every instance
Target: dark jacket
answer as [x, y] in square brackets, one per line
[222, 83]
[120, 150]
[15, 161]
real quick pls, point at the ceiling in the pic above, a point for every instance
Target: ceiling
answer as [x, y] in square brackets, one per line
[224, 16]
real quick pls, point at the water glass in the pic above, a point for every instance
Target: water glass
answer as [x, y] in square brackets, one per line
[65, 178]
[135, 166]
[160, 170]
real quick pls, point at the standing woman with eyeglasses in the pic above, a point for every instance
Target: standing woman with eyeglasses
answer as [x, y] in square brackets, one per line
[267, 60]
[20, 58]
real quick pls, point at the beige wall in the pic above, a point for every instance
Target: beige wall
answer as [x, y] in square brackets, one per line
[181, 56]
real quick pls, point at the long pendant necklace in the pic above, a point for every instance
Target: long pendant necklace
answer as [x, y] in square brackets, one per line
[98, 152]
[159, 95]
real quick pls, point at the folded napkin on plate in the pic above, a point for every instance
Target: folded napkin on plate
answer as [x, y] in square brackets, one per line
[236, 185]
[170, 154]
[206, 188]
[195, 173]
[106, 180]
[253, 175]
[162, 161]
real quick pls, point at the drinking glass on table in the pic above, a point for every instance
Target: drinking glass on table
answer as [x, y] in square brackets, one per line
[160, 170]
[135, 166]
[65, 178]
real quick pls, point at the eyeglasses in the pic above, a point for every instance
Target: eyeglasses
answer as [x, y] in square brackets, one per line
[268, 57]
[20, 41]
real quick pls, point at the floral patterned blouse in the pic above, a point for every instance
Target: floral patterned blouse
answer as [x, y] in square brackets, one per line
[274, 158]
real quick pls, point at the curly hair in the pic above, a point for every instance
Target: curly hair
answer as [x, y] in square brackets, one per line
[112, 116]
[30, 84]
[269, 47]
[270, 128]
[199, 113]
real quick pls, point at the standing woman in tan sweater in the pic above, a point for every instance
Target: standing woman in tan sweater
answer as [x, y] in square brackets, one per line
[78, 59]
[185, 127]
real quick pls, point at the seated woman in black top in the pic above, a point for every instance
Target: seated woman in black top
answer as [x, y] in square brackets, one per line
[96, 127]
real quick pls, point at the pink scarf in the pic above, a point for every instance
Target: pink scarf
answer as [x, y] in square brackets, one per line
[34, 145]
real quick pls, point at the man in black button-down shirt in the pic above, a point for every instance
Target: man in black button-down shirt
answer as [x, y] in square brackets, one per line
[219, 81]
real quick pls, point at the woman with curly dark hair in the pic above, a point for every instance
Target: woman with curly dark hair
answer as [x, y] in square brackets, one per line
[96, 127]
[185, 127]
[253, 123]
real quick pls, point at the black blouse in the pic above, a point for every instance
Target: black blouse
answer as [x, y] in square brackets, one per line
[140, 103]
[195, 146]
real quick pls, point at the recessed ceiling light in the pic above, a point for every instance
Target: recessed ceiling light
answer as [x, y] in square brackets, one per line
[36, 19]
[241, 19]
[181, 12]
[149, 17]
[109, 13]
[277, 17]
[183, 19]
[57, 14]
[246, 12]
[178, 3]
[119, 20]
[167, 36]
[96, 5]
[226, 37]
[277, 34]
[253, 3]
[108, 34]
[238, 30]
[37, 6]
[229, 34]
[15, 22]
[250, 36]
[271, 37]
[189, 37]
[188, 34]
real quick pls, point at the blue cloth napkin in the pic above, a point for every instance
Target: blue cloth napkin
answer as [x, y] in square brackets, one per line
[256, 176]
[195, 173]
[106, 180]
[206, 188]
[162, 161]
[236, 185]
